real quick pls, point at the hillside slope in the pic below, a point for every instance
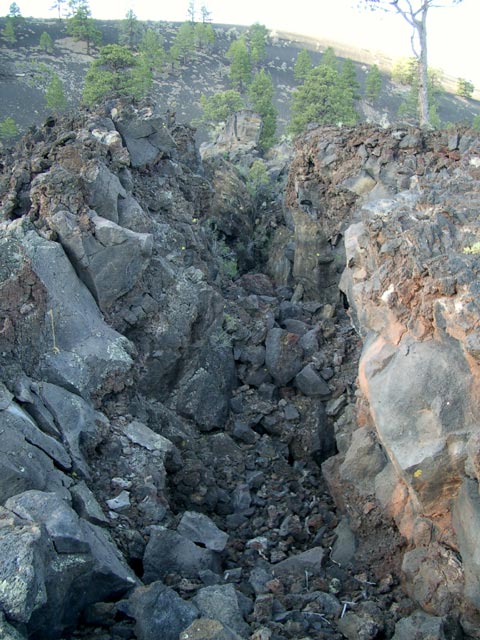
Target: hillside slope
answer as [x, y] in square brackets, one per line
[22, 83]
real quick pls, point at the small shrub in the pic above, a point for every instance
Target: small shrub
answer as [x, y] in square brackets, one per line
[465, 88]
[8, 129]
[473, 248]
[46, 42]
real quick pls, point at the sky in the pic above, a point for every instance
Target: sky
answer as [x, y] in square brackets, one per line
[452, 31]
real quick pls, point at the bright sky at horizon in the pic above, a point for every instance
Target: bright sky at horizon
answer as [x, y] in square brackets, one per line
[452, 31]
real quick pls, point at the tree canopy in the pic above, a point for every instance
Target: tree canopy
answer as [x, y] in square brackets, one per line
[55, 95]
[116, 72]
[257, 37]
[260, 95]
[327, 96]
[240, 65]
[303, 66]
[81, 25]
[46, 42]
[373, 83]
[152, 50]
[58, 6]
[183, 45]
[130, 30]
[220, 106]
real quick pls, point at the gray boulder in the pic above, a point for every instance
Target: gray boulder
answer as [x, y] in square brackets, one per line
[169, 552]
[220, 602]
[363, 461]
[187, 339]
[104, 190]
[59, 562]
[207, 629]
[283, 357]
[198, 527]
[204, 394]
[29, 459]
[316, 436]
[345, 545]
[25, 552]
[422, 626]
[86, 505]
[310, 560]
[7, 632]
[232, 207]
[239, 136]
[145, 135]
[76, 421]
[108, 258]
[466, 520]
[311, 383]
[416, 427]
[159, 612]
[78, 350]
[434, 578]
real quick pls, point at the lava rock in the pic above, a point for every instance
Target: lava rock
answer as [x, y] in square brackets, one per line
[310, 560]
[159, 612]
[169, 552]
[198, 528]
[86, 505]
[344, 547]
[423, 625]
[28, 456]
[207, 629]
[283, 356]
[58, 564]
[220, 602]
[7, 632]
[311, 383]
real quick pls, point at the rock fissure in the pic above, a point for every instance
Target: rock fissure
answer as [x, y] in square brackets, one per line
[259, 419]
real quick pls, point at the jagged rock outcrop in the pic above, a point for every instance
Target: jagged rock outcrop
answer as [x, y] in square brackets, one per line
[406, 203]
[239, 136]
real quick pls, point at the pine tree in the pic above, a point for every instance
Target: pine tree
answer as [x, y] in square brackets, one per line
[81, 26]
[258, 182]
[184, 41]
[116, 72]
[329, 59]
[8, 31]
[303, 66]
[257, 36]
[8, 129]
[191, 11]
[348, 75]
[15, 14]
[405, 71]
[216, 109]
[348, 82]
[322, 99]
[410, 106]
[465, 88]
[260, 95]
[373, 83]
[54, 94]
[57, 6]
[206, 14]
[152, 50]
[46, 42]
[130, 30]
[240, 66]
[204, 35]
